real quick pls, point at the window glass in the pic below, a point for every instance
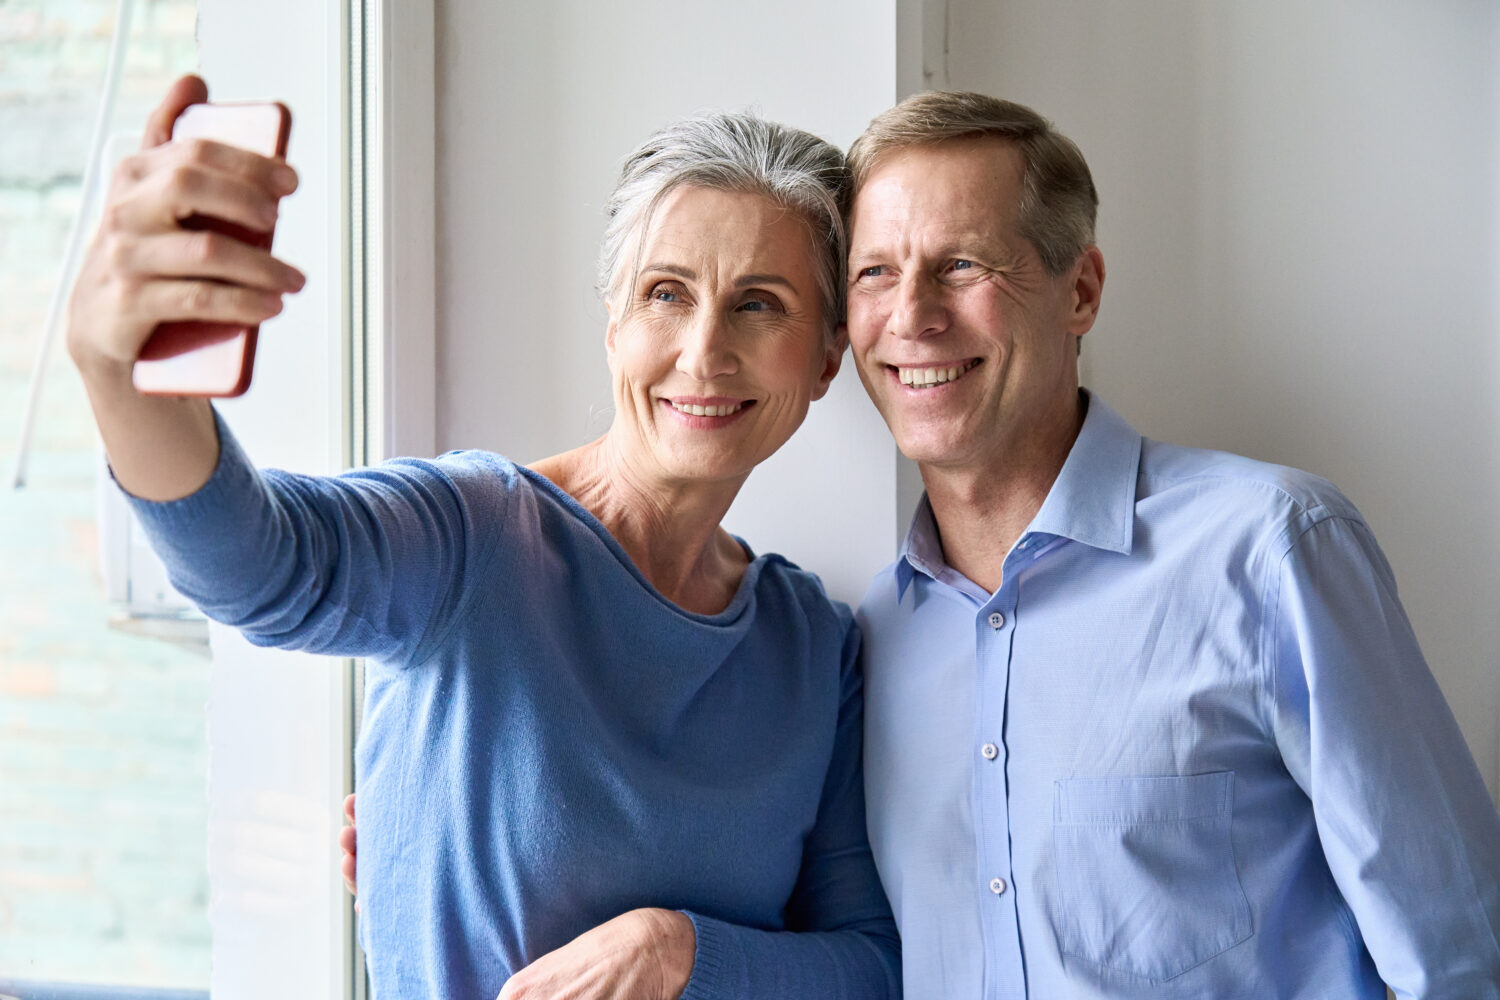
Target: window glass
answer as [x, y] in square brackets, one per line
[103, 750]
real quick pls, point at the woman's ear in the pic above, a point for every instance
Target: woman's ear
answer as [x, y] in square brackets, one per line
[609, 330]
[833, 358]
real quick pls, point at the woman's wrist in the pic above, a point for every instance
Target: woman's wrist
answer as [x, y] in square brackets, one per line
[674, 943]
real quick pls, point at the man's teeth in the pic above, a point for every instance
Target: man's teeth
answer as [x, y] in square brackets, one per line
[706, 411]
[932, 376]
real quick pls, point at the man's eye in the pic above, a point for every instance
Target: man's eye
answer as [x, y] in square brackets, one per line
[962, 265]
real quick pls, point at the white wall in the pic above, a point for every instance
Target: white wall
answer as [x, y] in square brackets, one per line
[537, 106]
[1300, 209]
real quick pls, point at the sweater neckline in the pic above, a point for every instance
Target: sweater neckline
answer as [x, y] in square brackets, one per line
[742, 596]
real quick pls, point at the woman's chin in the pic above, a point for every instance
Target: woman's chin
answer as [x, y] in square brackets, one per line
[710, 461]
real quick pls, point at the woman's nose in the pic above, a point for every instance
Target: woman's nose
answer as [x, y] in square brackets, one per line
[707, 349]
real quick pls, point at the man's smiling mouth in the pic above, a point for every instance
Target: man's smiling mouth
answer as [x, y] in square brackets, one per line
[926, 378]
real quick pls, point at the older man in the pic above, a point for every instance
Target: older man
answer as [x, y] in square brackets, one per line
[1142, 720]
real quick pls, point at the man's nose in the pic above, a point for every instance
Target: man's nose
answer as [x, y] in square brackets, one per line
[707, 349]
[918, 310]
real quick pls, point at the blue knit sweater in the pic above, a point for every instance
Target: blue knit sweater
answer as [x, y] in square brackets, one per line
[547, 741]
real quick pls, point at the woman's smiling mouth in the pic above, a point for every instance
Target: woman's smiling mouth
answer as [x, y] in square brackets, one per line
[707, 412]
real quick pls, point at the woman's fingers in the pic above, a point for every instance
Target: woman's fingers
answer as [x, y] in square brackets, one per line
[347, 842]
[205, 254]
[156, 190]
[184, 91]
[169, 300]
[347, 867]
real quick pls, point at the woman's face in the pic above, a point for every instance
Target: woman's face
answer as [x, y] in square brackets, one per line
[717, 346]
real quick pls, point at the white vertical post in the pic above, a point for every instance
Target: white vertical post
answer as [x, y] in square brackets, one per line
[400, 228]
[277, 726]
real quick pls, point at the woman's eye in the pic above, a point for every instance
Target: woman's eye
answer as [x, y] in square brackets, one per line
[758, 305]
[874, 271]
[664, 293]
[962, 265]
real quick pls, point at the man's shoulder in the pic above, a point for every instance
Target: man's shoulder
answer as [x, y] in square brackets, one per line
[882, 599]
[1204, 479]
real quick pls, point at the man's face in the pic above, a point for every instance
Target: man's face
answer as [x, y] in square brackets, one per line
[963, 340]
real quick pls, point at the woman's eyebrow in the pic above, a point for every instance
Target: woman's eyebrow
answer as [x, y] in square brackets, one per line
[743, 281]
[746, 280]
[676, 270]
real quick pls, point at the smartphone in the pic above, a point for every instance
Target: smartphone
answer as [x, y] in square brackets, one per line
[213, 359]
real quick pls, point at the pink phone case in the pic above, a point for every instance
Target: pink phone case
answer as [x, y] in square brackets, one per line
[213, 359]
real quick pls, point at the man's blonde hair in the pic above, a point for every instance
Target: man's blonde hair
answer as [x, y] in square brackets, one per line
[1058, 201]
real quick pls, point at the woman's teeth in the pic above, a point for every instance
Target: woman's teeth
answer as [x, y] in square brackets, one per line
[925, 377]
[706, 411]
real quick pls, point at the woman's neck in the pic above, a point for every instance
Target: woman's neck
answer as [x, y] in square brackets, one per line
[669, 529]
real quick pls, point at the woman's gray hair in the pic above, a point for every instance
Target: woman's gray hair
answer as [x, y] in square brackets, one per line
[739, 153]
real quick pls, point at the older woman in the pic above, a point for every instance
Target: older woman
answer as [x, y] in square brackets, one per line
[607, 750]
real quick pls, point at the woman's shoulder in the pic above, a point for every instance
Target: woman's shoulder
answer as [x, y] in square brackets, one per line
[806, 590]
[469, 477]
[470, 497]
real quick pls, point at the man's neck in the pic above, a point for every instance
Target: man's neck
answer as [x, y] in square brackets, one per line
[982, 509]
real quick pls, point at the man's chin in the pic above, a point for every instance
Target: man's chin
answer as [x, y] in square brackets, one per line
[927, 448]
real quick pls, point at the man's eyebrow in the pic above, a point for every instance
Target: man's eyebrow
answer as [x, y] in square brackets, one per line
[977, 245]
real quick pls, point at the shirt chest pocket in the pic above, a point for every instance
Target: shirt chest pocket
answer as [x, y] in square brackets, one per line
[1146, 880]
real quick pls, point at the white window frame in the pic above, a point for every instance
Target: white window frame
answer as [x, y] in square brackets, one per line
[282, 725]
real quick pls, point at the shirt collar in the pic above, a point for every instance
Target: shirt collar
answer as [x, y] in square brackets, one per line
[1092, 501]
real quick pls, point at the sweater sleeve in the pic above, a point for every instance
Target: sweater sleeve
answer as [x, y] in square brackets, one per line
[840, 940]
[369, 563]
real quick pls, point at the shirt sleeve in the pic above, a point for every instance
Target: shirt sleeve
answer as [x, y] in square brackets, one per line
[840, 940]
[364, 564]
[1404, 818]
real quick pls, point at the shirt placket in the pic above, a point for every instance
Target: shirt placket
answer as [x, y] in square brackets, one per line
[994, 628]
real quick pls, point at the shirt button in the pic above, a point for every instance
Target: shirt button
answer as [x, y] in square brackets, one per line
[997, 886]
[990, 751]
[996, 619]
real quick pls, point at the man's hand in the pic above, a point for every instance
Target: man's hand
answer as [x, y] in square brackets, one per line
[346, 843]
[640, 955]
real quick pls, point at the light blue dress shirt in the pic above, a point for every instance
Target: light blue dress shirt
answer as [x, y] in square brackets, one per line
[1189, 749]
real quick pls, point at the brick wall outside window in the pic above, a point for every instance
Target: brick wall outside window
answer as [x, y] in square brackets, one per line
[102, 738]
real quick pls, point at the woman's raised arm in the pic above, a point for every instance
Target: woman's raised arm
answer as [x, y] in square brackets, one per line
[144, 269]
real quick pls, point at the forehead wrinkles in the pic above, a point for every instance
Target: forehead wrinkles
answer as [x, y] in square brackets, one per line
[929, 224]
[926, 235]
[726, 234]
[935, 204]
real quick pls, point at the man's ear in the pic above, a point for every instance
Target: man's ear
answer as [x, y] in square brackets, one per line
[833, 359]
[1087, 290]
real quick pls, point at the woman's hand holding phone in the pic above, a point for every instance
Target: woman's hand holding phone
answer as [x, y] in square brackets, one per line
[145, 269]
